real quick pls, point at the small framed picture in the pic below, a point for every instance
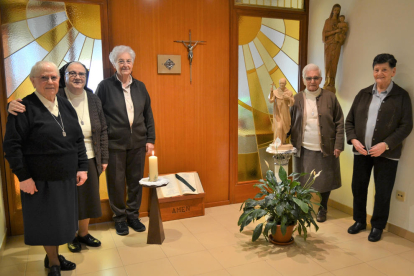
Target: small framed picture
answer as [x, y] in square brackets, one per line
[169, 64]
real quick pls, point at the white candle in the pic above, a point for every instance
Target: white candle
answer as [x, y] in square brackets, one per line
[153, 168]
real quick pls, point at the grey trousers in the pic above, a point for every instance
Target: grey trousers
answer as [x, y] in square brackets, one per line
[125, 165]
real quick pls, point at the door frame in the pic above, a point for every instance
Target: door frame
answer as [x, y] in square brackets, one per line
[243, 190]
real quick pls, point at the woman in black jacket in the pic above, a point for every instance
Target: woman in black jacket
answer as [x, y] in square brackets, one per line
[73, 86]
[379, 120]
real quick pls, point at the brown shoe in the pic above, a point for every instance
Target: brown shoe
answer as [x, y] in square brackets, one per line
[321, 216]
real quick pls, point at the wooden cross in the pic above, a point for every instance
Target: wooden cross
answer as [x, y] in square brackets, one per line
[190, 46]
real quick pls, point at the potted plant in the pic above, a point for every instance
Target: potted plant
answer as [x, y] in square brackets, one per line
[284, 203]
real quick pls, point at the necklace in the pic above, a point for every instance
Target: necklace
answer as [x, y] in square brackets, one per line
[83, 107]
[60, 125]
[313, 107]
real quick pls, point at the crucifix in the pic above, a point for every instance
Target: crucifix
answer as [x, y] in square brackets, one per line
[190, 46]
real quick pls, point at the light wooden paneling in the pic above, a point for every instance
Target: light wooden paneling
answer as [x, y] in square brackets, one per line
[191, 120]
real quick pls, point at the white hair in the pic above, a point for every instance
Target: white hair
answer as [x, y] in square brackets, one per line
[311, 67]
[39, 67]
[120, 49]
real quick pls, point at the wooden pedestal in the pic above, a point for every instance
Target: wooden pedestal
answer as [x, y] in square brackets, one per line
[179, 207]
[155, 228]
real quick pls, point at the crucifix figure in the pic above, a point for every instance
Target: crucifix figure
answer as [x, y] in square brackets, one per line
[190, 46]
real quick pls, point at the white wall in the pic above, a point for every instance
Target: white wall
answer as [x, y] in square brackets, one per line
[375, 26]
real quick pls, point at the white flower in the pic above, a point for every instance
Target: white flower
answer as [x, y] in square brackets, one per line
[317, 174]
[312, 172]
[267, 164]
[278, 142]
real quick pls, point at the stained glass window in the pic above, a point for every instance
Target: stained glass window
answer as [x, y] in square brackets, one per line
[285, 4]
[268, 51]
[54, 31]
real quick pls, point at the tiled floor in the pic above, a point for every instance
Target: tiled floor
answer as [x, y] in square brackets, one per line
[212, 245]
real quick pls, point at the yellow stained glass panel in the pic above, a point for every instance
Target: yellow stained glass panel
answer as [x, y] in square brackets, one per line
[264, 54]
[248, 28]
[50, 39]
[249, 167]
[291, 48]
[256, 94]
[85, 18]
[12, 11]
[270, 47]
[275, 24]
[40, 8]
[248, 59]
[292, 28]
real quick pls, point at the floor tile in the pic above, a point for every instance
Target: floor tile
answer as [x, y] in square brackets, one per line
[235, 255]
[100, 260]
[195, 263]
[139, 253]
[393, 265]
[14, 256]
[394, 243]
[216, 238]
[201, 224]
[119, 271]
[216, 273]
[331, 257]
[15, 270]
[160, 267]
[183, 245]
[409, 255]
[364, 250]
[293, 261]
[258, 268]
[360, 269]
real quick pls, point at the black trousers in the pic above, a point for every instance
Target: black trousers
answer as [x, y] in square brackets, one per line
[125, 165]
[385, 171]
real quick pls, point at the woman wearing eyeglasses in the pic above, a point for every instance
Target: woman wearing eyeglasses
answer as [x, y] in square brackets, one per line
[73, 86]
[45, 149]
[318, 135]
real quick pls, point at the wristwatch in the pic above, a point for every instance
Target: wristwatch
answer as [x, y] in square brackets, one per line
[386, 146]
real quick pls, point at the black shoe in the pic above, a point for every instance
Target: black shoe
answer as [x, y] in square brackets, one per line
[375, 235]
[54, 271]
[75, 245]
[357, 227]
[65, 265]
[89, 240]
[321, 216]
[121, 228]
[137, 225]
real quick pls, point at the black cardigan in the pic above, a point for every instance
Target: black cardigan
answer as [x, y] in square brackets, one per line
[35, 147]
[121, 135]
[394, 121]
[99, 128]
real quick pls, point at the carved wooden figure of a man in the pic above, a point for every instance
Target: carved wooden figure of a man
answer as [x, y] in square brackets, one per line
[282, 99]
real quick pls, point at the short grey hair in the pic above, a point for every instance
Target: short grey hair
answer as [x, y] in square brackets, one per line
[39, 67]
[120, 49]
[311, 67]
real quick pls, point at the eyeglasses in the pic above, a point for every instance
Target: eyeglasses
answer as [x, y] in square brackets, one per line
[128, 61]
[46, 79]
[314, 78]
[73, 74]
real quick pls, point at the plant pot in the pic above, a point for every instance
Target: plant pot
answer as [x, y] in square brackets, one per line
[280, 239]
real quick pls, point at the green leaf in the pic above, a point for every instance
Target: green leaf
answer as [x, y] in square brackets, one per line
[268, 226]
[282, 174]
[280, 208]
[257, 231]
[301, 204]
[259, 195]
[243, 217]
[283, 225]
[259, 213]
[294, 184]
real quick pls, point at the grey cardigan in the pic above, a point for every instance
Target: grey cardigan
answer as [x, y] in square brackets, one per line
[99, 128]
[331, 122]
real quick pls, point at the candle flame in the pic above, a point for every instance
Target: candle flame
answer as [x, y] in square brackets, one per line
[152, 153]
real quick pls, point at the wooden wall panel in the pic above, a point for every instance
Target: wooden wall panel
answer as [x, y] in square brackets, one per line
[191, 120]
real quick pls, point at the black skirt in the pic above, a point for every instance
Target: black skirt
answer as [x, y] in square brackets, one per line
[88, 194]
[50, 216]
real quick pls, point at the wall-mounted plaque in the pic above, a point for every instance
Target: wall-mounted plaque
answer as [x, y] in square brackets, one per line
[169, 64]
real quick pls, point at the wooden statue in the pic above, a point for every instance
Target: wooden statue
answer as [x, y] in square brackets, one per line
[333, 35]
[282, 99]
